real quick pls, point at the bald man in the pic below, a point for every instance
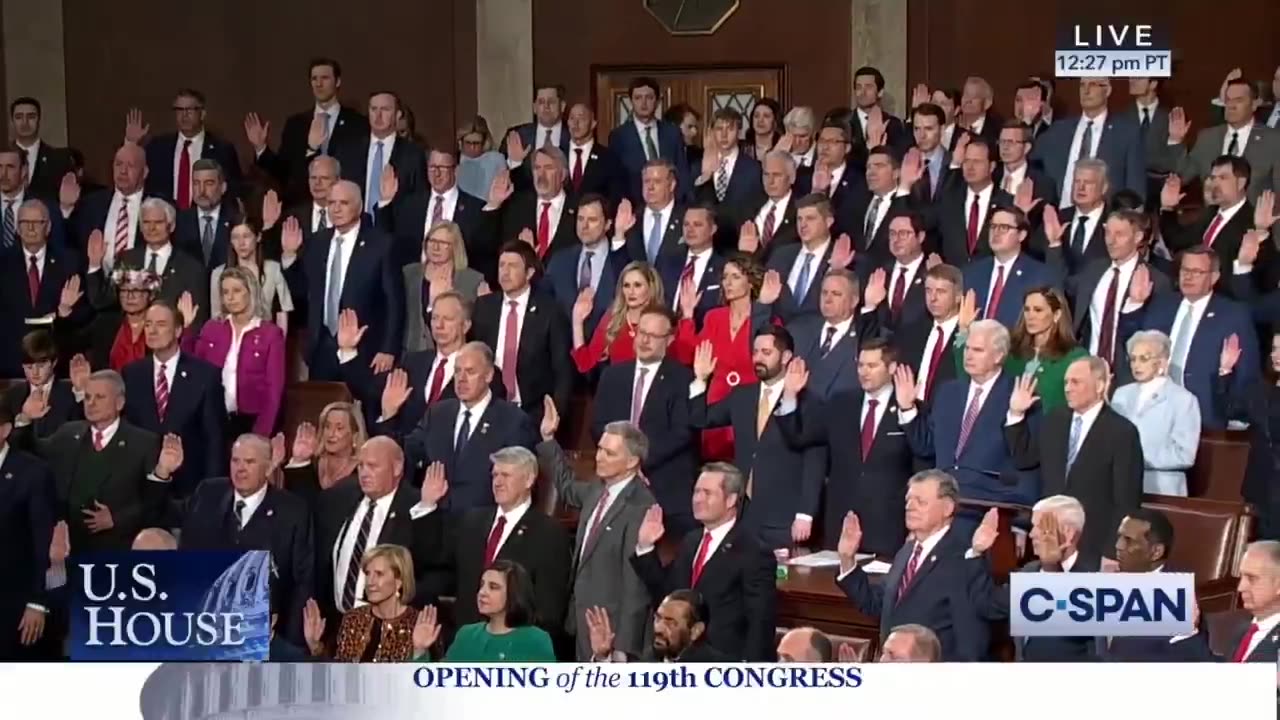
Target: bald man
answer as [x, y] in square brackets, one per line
[349, 267]
[805, 645]
[374, 508]
[155, 539]
[114, 212]
[244, 512]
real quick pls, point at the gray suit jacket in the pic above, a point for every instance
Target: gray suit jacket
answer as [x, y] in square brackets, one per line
[1162, 158]
[1169, 428]
[602, 572]
[417, 334]
[1262, 152]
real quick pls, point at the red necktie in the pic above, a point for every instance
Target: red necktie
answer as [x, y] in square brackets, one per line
[510, 346]
[1108, 325]
[495, 536]
[686, 274]
[701, 559]
[973, 225]
[597, 518]
[577, 169]
[1242, 650]
[162, 393]
[1212, 233]
[910, 573]
[33, 281]
[899, 291]
[993, 302]
[869, 428]
[99, 441]
[935, 359]
[184, 176]
[437, 380]
[544, 229]
[770, 221]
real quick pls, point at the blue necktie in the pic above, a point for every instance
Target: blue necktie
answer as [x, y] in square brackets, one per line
[333, 295]
[655, 238]
[1181, 344]
[328, 130]
[802, 282]
[374, 181]
[584, 272]
[464, 433]
[1073, 442]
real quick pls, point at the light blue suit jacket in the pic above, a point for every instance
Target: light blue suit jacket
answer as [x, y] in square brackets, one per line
[1169, 428]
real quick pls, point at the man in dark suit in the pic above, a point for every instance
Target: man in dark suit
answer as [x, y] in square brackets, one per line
[528, 332]
[440, 201]
[27, 516]
[548, 129]
[925, 345]
[802, 266]
[644, 137]
[180, 274]
[365, 158]
[46, 164]
[593, 167]
[1152, 119]
[975, 114]
[461, 433]
[1082, 225]
[107, 478]
[312, 216]
[868, 90]
[722, 561]
[1198, 321]
[170, 157]
[772, 222]
[652, 392]
[515, 531]
[204, 229]
[243, 512]
[15, 192]
[592, 265]
[699, 266]
[1057, 526]
[39, 361]
[1259, 589]
[868, 477]
[729, 180]
[965, 209]
[114, 212]
[1001, 281]
[1086, 449]
[1223, 226]
[895, 289]
[887, 194]
[653, 230]
[829, 342]
[1114, 139]
[1033, 105]
[33, 274]
[783, 485]
[176, 393]
[679, 633]
[1014, 146]
[839, 179]
[355, 269]
[936, 579]
[377, 508]
[309, 133]
[544, 218]
[937, 161]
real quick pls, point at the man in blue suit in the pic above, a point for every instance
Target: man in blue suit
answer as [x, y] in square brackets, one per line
[15, 175]
[462, 433]
[803, 265]
[593, 265]
[729, 180]
[937, 579]
[1198, 321]
[1002, 281]
[644, 137]
[699, 265]
[962, 432]
[1113, 138]
[351, 267]
[829, 342]
[548, 128]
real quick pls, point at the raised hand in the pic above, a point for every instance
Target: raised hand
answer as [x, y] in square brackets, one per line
[796, 378]
[704, 361]
[483, 289]
[350, 331]
[1233, 75]
[277, 451]
[306, 443]
[271, 209]
[600, 631]
[821, 178]
[689, 298]
[1052, 226]
[877, 289]
[932, 261]
[1226, 360]
[583, 305]
[1024, 198]
[968, 310]
[1179, 125]
[912, 169]
[97, 518]
[847, 654]
[920, 95]
[710, 161]
[651, 529]
[1048, 543]
[499, 190]
[550, 419]
[313, 627]
[843, 253]
[96, 249]
[188, 308]
[382, 362]
[36, 405]
[1264, 211]
[876, 130]
[291, 237]
[79, 372]
[748, 238]
[784, 143]
[904, 386]
[315, 132]
[624, 219]
[771, 288]
[1171, 193]
[69, 191]
[517, 151]
[434, 485]
[69, 296]
[1140, 286]
[256, 132]
[60, 544]
[1023, 395]
[134, 128]
[850, 541]
[426, 630]
[388, 184]
[988, 530]
[171, 456]
[1250, 246]
[961, 144]
[395, 393]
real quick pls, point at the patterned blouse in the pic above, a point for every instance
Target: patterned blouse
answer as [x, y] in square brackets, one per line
[360, 626]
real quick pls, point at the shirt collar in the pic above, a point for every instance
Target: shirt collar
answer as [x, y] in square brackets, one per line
[171, 363]
[1268, 623]
[585, 146]
[351, 233]
[109, 431]
[514, 515]
[197, 139]
[1152, 107]
[1127, 265]
[1198, 305]
[819, 252]
[39, 255]
[16, 199]
[477, 410]
[842, 327]
[720, 532]
[1088, 416]
[450, 195]
[1232, 209]
[522, 298]
[665, 209]
[163, 252]
[948, 326]
[911, 267]
[1070, 561]
[986, 386]
[882, 395]
[331, 111]
[652, 367]
[251, 502]
[1101, 119]
[929, 543]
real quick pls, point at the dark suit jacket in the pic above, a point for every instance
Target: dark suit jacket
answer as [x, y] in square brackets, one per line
[670, 268]
[671, 465]
[875, 249]
[63, 407]
[736, 583]
[26, 528]
[896, 134]
[912, 342]
[1042, 188]
[1226, 244]
[562, 280]
[952, 223]
[637, 247]
[1154, 650]
[196, 413]
[408, 220]
[836, 371]
[160, 153]
[1107, 474]
[543, 364]
[288, 165]
[784, 230]
[469, 472]
[941, 597]
[182, 273]
[1026, 275]
[601, 173]
[52, 163]
[1062, 649]
[15, 299]
[190, 227]
[1121, 147]
[281, 525]
[520, 212]
[626, 143]
[1095, 245]
[91, 214]
[913, 308]
[789, 307]
[408, 160]
[367, 388]
[742, 196]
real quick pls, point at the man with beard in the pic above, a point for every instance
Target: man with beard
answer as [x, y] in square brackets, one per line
[679, 633]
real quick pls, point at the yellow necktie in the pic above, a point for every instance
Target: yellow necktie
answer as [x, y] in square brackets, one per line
[763, 411]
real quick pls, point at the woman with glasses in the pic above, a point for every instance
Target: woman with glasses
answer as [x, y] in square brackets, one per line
[112, 335]
[1166, 414]
[614, 340]
[441, 268]
[478, 162]
[273, 302]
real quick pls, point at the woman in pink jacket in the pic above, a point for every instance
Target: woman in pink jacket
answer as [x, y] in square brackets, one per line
[251, 352]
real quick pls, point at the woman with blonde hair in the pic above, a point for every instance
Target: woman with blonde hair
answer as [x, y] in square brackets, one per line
[441, 268]
[321, 458]
[385, 629]
[614, 339]
[478, 162]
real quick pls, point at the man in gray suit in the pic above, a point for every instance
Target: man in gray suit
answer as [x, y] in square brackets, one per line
[612, 507]
[1240, 135]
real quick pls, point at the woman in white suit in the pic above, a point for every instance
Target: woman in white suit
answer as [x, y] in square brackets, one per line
[1166, 414]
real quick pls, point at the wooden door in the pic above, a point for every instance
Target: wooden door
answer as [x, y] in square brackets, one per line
[707, 89]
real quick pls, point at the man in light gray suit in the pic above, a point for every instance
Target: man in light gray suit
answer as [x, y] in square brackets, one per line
[1241, 136]
[612, 507]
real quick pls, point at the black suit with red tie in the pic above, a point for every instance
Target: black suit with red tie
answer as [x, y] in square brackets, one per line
[22, 305]
[912, 341]
[904, 304]
[596, 172]
[736, 581]
[543, 365]
[523, 211]
[954, 218]
[1224, 237]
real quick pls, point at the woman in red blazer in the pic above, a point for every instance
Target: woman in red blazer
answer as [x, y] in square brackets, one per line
[250, 351]
[614, 340]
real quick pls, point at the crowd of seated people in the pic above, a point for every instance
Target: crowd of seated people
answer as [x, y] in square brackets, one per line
[812, 331]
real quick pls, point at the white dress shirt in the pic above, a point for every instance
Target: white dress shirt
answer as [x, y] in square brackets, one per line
[882, 211]
[1098, 302]
[650, 372]
[1266, 626]
[911, 269]
[554, 215]
[995, 273]
[373, 175]
[1227, 214]
[33, 156]
[1087, 418]
[345, 547]
[522, 306]
[39, 256]
[449, 361]
[983, 198]
[664, 218]
[1196, 310]
[232, 364]
[926, 547]
[926, 362]
[162, 253]
[1241, 136]
[251, 504]
[1150, 110]
[805, 159]
[1099, 123]
[513, 517]
[449, 198]
[347, 248]
[193, 154]
[815, 267]
[700, 261]
[613, 491]
[643, 130]
[1090, 220]
[316, 225]
[107, 433]
[779, 211]
[1013, 177]
[839, 330]
[477, 412]
[881, 397]
[133, 204]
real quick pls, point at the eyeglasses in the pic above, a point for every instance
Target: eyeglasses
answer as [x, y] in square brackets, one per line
[187, 109]
[901, 234]
[440, 168]
[1003, 227]
[651, 336]
[31, 224]
[1144, 358]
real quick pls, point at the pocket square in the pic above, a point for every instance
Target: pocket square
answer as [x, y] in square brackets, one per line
[891, 434]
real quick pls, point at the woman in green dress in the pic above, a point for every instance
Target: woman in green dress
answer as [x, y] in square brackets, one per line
[1041, 345]
[508, 635]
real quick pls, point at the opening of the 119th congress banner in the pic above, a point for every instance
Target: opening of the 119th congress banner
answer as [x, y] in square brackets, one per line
[637, 359]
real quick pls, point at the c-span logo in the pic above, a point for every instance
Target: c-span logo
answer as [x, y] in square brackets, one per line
[171, 606]
[1101, 604]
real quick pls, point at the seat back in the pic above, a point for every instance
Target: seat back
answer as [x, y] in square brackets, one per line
[1220, 465]
[303, 402]
[1209, 535]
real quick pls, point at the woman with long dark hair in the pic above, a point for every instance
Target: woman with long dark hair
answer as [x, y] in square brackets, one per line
[507, 634]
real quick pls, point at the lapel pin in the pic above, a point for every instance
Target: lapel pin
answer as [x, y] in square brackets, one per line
[360, 244]
[532, 308]
[121, 443]
[608, 528]
[392, 516]
[484, 428]
[256, 354]
[183, 373]
[420, 464]
[519, 532]
[728, 546]
[340, 121]
[8, 476]
[1017, 272]
[1209, 315]
[593, 156]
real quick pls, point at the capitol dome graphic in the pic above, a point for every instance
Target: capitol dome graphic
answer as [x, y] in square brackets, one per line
[245, 589]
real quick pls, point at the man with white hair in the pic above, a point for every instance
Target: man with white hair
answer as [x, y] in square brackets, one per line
[1057, 524]
[179, 272]
[801, 128]
[1259, 589]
